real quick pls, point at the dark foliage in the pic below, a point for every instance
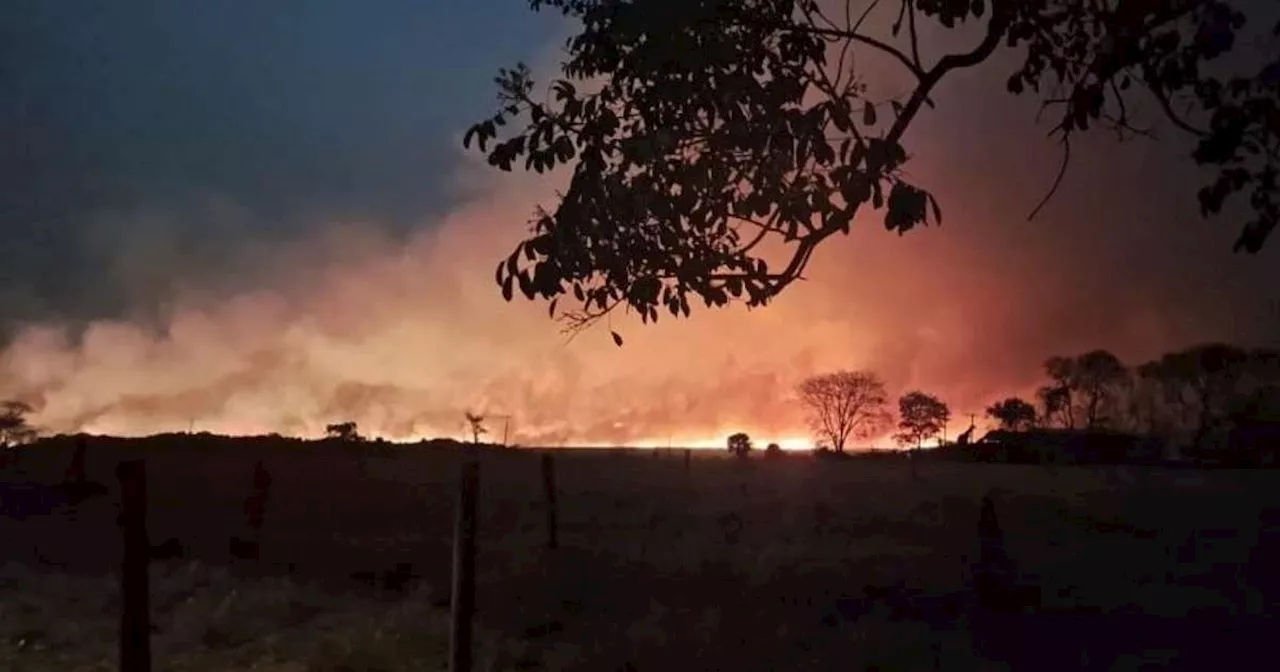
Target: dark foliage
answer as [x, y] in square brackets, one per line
[1013, 413]
[844, 405]
[1085, 389]
[696, 130]
[920, 416]
[343, 431]
[14, 428]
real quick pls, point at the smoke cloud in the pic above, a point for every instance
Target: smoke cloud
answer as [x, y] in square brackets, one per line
[405, 332]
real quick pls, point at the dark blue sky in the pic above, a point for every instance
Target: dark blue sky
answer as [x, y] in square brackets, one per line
[344, 110]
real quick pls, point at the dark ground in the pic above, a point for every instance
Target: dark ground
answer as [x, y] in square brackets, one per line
[765, 565]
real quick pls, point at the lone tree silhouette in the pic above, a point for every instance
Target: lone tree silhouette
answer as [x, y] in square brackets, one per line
[705, 128]
[476, 423]
[1013, 414]
[739, 444]
[920, 416]
[343, 431]
[844, 405]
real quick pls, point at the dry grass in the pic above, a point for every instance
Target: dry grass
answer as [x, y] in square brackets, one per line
[735, 566]
[207, 620]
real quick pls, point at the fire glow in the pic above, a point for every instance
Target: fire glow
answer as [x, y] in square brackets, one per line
[404, 336]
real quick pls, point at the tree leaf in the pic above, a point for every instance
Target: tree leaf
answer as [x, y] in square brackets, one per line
[937, 210]
[617, 340]
[869, 114]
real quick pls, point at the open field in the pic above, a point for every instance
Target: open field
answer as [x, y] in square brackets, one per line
[794, 564]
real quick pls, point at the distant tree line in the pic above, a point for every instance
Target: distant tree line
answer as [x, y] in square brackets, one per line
[1213, 402]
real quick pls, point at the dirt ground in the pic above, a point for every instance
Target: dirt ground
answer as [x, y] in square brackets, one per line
[790, 564]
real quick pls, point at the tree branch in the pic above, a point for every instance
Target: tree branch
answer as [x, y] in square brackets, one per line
[996, 28]
[1057, 181]
[1167, 107]
[911, 26]
[854, 36]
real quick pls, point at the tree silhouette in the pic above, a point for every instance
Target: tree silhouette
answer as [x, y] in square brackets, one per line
[1255, 422]
[1055, 402]
[1057, 397]
[1013, 414]
[845, 404]
[704, 128]
[476, 423]
[1199, 382]
[343, 431]
[1203, 386]
[1085, 387]
[14, 429]
[739, 444]
[920, 416]
[1100, 377]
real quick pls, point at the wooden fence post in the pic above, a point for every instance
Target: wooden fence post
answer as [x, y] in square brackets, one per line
[464, 569]
[993, 573]
[549, 497]
[135, 616]
[75, 473]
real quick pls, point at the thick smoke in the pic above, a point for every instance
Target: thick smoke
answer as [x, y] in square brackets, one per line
[405, 335]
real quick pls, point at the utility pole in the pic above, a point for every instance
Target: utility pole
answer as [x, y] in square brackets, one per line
[506, 426]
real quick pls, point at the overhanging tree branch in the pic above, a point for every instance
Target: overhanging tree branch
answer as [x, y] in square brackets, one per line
[713, 117]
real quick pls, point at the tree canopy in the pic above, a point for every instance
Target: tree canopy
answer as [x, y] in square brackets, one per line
[697, 130]
[920, 416]
[1086, 389]
[1013, 413]
[739, 444]
[14, 428]
[844, 405]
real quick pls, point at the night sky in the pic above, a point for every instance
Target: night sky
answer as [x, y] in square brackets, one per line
[135, 120]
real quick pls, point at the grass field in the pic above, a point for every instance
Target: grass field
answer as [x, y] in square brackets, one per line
[794, 564]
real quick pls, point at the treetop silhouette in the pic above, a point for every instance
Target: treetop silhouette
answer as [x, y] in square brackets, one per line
[699, 129]
[845, 404]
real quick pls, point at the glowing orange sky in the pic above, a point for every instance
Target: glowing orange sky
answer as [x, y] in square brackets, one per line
[404, 338]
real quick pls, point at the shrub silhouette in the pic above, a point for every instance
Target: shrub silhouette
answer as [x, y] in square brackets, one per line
[739, 444]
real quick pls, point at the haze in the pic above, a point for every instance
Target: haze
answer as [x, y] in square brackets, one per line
[234, 218]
